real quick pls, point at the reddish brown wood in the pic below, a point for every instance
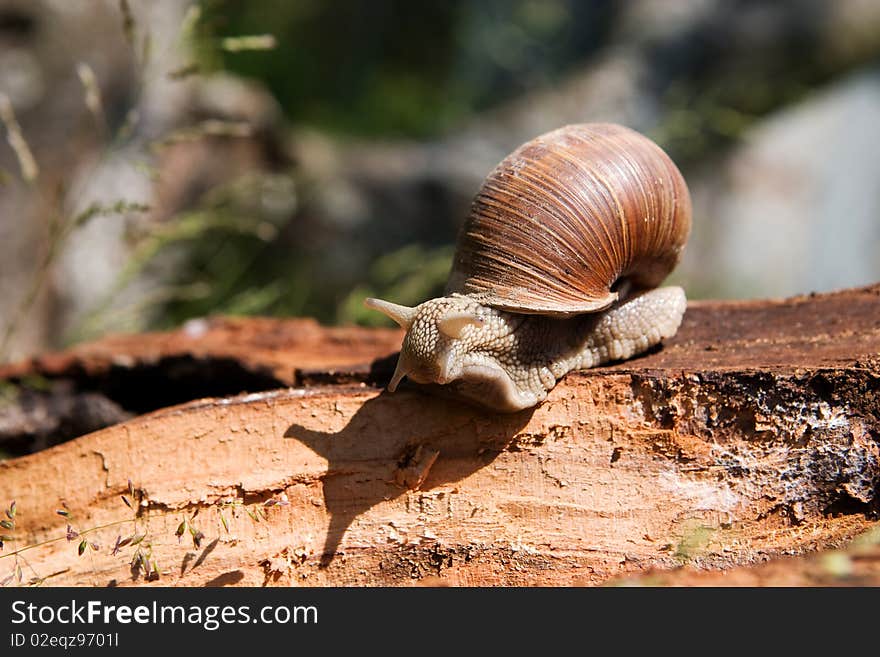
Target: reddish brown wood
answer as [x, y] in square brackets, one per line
[273, 347]
[752, 435]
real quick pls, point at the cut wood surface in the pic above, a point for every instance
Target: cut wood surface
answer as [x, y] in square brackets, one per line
[751, 435]
[263, 347]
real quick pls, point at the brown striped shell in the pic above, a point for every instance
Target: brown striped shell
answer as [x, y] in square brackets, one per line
[568, 216]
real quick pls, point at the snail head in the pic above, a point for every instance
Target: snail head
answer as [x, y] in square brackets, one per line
[444, 337]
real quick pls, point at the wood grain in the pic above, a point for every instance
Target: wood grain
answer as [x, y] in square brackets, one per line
[751, 435]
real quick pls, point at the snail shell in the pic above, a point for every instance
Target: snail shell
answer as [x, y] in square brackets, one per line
[568, 218]
[554, 270]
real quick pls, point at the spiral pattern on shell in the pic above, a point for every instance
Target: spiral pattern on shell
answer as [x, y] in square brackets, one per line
[567, 216]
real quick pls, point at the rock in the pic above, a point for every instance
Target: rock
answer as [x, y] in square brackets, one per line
[791, 210]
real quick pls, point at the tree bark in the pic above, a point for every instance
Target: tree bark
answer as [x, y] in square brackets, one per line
[751, 435]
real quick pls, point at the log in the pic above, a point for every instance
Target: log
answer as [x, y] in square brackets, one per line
[101, 383]
[751, 435]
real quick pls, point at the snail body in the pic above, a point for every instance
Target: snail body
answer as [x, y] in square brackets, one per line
[556, 268]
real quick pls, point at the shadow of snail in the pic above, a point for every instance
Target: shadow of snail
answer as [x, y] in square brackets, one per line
[376, 457]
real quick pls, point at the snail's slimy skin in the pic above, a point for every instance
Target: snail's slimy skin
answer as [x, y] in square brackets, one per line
[510, 361]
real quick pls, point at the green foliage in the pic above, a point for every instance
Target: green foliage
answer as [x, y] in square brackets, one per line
[225, 255]
[407, 276]
[397, 68]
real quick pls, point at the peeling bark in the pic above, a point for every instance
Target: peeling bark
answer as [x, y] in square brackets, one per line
[753, 434]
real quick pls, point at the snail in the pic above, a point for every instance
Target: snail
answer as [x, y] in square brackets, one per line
[556, 268]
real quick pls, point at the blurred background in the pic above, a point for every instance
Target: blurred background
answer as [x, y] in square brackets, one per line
[170, 159]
